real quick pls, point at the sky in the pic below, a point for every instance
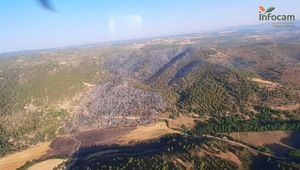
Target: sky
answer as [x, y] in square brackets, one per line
[25, 24]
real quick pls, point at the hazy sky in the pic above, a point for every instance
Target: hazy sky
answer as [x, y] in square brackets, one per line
[24, 24]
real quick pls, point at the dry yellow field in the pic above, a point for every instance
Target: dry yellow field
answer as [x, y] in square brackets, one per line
[258, 139]
[16, 160]
[280, 142]
[47, 165]
[147, 132]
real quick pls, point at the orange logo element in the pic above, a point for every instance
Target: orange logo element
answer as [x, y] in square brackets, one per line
[262, 9]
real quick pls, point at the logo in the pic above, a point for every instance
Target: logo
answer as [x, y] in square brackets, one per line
[278, 20]
[267, 15]
[262, 10]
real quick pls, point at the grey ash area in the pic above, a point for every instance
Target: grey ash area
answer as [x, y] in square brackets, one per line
[142, 64]
[116, 104]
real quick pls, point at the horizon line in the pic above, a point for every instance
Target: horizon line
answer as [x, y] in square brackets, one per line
[133, 39]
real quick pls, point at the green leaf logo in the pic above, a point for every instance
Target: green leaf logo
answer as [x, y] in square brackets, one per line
[270, 9]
